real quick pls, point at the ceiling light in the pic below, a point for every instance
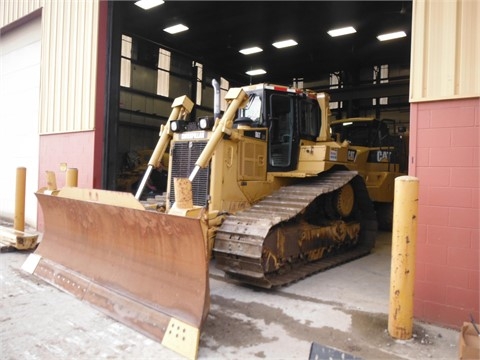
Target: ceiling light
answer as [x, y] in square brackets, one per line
[390, 36]
[251, 50]
[176, 29]
[285, 43]
[256, 72]
[148, 4]
[342, 31]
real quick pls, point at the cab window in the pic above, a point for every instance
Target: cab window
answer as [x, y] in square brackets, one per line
[309, 119]
[253, 109]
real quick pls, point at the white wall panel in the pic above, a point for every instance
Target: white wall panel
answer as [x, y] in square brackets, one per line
[445, 50]
[19, 115]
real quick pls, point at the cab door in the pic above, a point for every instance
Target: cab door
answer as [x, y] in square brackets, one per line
[283, 134]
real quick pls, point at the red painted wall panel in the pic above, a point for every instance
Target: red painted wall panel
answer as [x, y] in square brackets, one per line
[448, 276]
[445, 157]
[474, 281]
[439, 176]
[74, 149]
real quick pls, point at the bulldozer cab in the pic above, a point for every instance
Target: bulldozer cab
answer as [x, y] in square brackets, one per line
[289, 116]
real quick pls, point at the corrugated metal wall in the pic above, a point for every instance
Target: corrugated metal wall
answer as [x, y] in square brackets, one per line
[14, 10]
[69, 55]
[445, 50]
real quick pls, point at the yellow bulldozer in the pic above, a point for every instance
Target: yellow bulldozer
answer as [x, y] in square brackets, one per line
[378, 149]
[262, 190]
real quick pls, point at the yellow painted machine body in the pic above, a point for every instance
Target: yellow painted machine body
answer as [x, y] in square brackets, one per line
[277, 140]
[263, 188]
[244, 167]
[378, 150]
[237, 172]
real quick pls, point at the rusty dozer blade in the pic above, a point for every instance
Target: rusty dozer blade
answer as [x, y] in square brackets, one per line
[145, 269]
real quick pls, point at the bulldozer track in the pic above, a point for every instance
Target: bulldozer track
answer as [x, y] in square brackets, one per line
[303, 270]
[239, 241]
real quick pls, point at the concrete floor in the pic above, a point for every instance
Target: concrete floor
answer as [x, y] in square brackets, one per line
[345, 308]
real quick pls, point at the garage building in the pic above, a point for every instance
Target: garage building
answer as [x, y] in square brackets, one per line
[77, 89]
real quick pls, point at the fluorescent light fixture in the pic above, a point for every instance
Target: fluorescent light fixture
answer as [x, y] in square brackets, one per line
[391, 36]
[342, 31]
[148, 4]
[251, 50]
[347, 123]
[256, 72]
[176, 29]
[285, 43]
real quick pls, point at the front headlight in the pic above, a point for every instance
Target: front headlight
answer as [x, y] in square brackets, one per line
[206, 122]
[178, 125]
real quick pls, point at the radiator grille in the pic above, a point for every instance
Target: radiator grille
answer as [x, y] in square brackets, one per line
[184, 155]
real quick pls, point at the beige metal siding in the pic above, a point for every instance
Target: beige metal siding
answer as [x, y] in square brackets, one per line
[69, 61]
[12, 10]
[445, 50]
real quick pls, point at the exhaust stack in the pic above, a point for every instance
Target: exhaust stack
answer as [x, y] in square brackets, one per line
[216, 99]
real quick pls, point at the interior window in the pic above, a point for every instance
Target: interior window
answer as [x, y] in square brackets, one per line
[281, 129]
[253, 109]
[309, 119]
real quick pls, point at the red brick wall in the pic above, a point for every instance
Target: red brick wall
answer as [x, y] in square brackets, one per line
[444, 155]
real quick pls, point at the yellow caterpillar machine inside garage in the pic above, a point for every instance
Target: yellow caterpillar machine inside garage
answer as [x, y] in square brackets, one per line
[263, 189]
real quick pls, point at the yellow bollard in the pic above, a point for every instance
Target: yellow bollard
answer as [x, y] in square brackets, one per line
[402, 276]
[19, 219]
[51, 181]
[72, 177]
